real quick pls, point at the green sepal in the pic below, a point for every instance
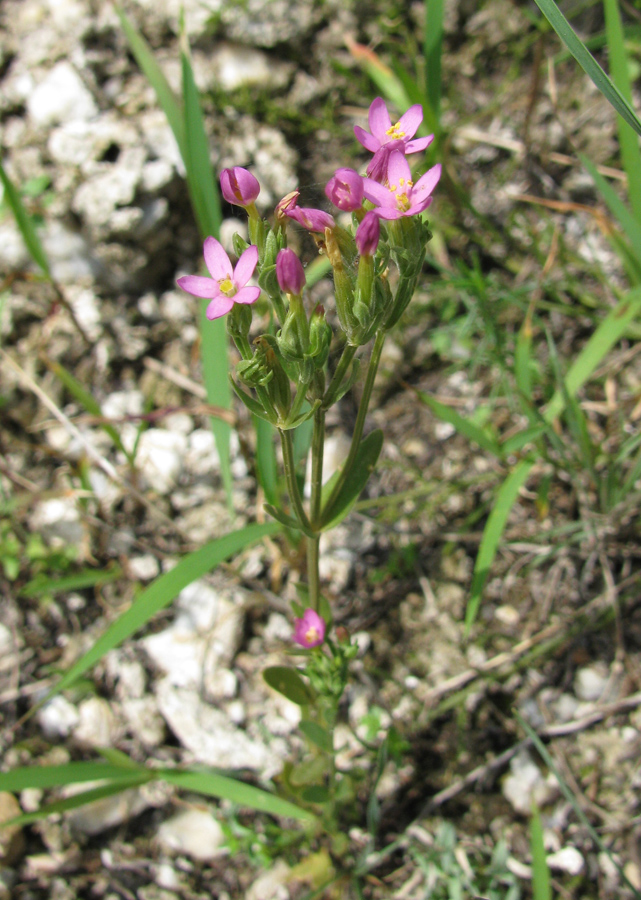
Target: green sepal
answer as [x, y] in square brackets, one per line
[288, 683]
[363, 466]
[302, 417]
[252, 405]
[239, 244]
[287, 520]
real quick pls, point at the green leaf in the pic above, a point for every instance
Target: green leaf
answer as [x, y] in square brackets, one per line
[286, 520]
[468, 429]
[80, 799]
[588, 63]
[317, 735]
[161, 592]
[211, 784]
[364, 464]
[541, 889]
[432, 51]
[24, 223]
[630, 224]
[167, 100]
[494, 527]
[609, 331]
[44, 585]
[45, 777]
[266, 459]
[315, 793]
[288, 683]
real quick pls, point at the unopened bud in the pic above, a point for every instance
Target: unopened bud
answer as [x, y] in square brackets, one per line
[290, 272]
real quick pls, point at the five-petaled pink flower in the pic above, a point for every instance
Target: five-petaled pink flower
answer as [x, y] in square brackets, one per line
[400, 196]
[386, 138]
[227, 285]
[310, 630]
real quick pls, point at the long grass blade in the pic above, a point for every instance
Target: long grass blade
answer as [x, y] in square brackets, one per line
[24, 223]
[629, 223]
[160, 594]
[80, 799]
[468, 429]
[541, 888]
[43, 585]
[588, 63]
[432, 52]
[618, 62]
[212, 784]
[610, 330]
[45, 777]
[495, 525]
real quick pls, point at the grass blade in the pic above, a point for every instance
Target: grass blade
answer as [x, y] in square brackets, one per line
[541, 889]
[588, 63]
[46, 777]
[211, 784]
[432, 51]
[497, 520]
[468, 429]
[266, 459]
[618, 62]
[24, 223]
[145, 58]
[81, 799]
[610, 330]
[629, 223]
[43, 585]
[160, 594]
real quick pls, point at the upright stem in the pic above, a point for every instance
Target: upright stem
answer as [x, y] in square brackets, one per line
[372, 368]
[341, 370]
[318, 442]
[290, 477]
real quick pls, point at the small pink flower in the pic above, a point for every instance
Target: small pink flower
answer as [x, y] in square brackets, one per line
[385, 137]
[368, 234]
[400, 196]
[311, 219]
[310, 630]
[238, 186]
[290, 272]
[227, 285]
[345, 189]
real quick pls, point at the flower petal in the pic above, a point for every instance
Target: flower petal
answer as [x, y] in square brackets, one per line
[426, 183]
[376, 193]
[410, 120]
[389, 212]
[217, 260]
[199, 286]
[379, 120]
[245, 266]
[398, 170]
[247, 295]
[366, 139]
[220, 306]
[419, 144]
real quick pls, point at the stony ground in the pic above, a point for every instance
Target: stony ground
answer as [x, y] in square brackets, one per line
[558, 636]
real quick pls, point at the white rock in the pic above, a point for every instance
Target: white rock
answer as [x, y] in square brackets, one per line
[193, 832]
[143, 568]
[97, 726]
[209, 735]
[83, 144]
[590, 682]
[160, 458]
[565, 707]
[13, 252]
[234, 66]
[58, 718]
[123, 403]
[526, 783]
[58, 521]
[68, 254]
[96, 817]
[97, 200]
[272, 885]
[144, 720]
[86, 309]
[60, 96]
[567, 859]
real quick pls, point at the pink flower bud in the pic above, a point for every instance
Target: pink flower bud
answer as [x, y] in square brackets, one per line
[310, 630]
[345, 190]
[311, 219]
[368, 234]
[238, 186]
[290, 272]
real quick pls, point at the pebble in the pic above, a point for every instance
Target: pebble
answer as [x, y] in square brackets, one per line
[160, 458]
[590, 682]
[567, 859]
[272, 885]
[525, 784]
[99, 816]
[58, 718]
[60, 96]
[97, 726]
[58, 522]
[193, 832]
[143, 568]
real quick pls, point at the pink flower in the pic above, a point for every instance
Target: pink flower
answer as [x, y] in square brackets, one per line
[310, 630]
[290, 272]
[368, 234]
[345, 190]
[400, 196]
[385, 137]
[238, 186]
[227, 285]
[311, 219]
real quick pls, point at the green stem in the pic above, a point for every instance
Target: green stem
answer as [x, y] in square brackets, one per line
[318, 443]
[337, 379]
[372, 368]
[290, 477]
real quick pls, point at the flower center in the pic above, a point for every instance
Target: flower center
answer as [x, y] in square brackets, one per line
[395, 132]
[227, 287]
[312, 635]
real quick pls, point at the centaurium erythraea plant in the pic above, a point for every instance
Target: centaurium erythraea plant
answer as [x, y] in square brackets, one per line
[383, 138]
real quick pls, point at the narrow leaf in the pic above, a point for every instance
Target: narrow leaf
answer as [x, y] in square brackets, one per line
[588, 63]
[45, 777]
[495, 525]
[77, 800]
[161, 592]
[432, 51]
[24, 223]
[43, 585]
[288, 683]
[630, 224]
[468, 429]
[266, 459]
[363, 466]
[541, 889]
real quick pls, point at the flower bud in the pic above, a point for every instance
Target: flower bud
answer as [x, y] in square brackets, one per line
[290, 272]
[311, 219]
[309, 631]
[368, 234]
[238, 186]
[283, 206]
[320, 337]
[345, 190]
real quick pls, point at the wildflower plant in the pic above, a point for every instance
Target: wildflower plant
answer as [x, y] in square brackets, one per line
[300, 366]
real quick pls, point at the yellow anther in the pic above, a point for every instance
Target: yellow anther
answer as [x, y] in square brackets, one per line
[394, 132]
[227, 287]
[312, 635]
